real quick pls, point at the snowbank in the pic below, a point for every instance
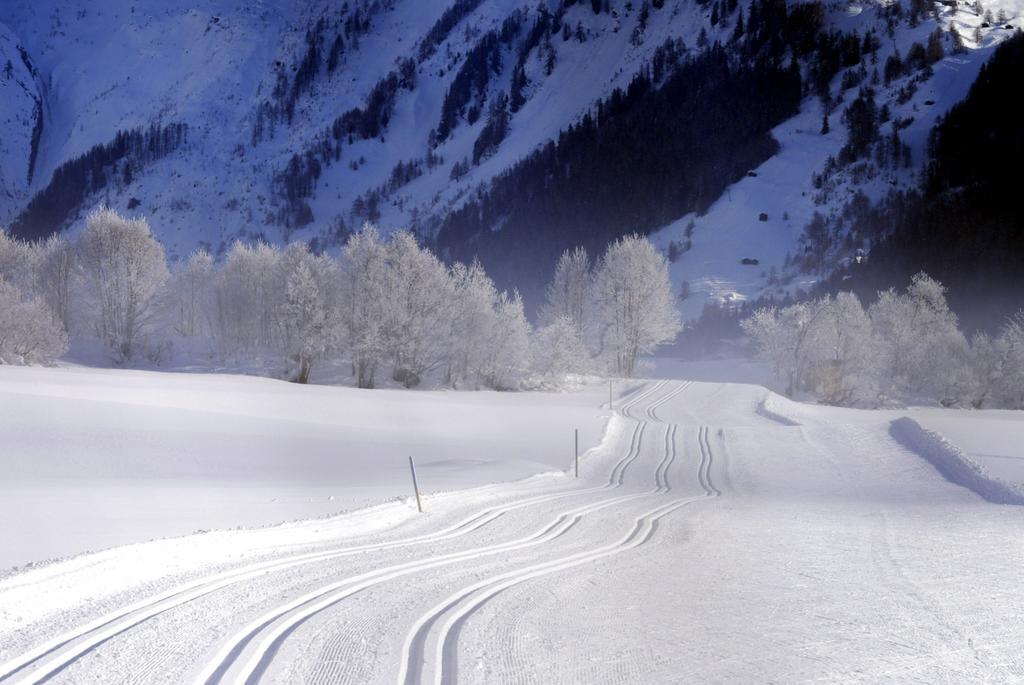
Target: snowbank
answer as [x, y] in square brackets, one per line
[771, 407]
[953, 464]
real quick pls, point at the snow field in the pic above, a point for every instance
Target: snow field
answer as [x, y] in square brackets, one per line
[834, 555]
[98, 458]
[952, 463]
[617, 474]
[991, 438]
[704, 542]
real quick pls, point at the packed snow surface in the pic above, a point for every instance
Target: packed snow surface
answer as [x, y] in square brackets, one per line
[97, 458]
[992, 438]
[704, 541]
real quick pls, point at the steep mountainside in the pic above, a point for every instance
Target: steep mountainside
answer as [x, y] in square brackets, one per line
[21, 114]
[504, 129]
[965, 223]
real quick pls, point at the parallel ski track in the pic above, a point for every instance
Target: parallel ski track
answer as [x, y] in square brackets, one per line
[461, 605]
[56, 654]
[626, 409]
[263, 637]
[706, 457]
[247, 654]
[272, 632]
[446, 655]
[652, 409]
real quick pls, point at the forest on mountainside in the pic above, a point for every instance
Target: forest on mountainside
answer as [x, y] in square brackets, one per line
[693, 122]
[647, 156]
[965, 223]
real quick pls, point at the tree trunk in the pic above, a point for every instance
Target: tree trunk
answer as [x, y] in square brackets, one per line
[304, 368]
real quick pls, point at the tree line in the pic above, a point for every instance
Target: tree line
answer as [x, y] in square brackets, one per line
[383, 307]
[906, 346]
[73, 181]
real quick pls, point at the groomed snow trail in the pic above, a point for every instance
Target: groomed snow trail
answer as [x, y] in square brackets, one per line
[55, 656]
[248, 654]
[703, 542]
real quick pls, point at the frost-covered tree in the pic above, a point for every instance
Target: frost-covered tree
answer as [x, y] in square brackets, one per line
[557, 349]
[125, 270]
[309, 308]
[794, 339]
[568, 325]
[825, 345]
[635, 310]
[507, 347]
[772, 342]
[193, 294]
[29, 333]
[472, 314]
[847, 359]
[568, 294]
[988, 363]
[18, 262]
[363, 270]
[1010, 387]
[248, 294]
[922, 351]
[418, 292]
[906, 346]
[47, 269]
[58, 278]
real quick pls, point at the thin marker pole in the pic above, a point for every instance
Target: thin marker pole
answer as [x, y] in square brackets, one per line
[577, 452]
[415, 485]
[610, 395]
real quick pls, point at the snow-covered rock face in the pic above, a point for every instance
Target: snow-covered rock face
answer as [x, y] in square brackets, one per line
[20, 112]
[215, 65]
[121, 65]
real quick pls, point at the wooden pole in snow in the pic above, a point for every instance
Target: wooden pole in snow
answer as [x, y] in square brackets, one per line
[610, 395]
[577, 441]
[415, 485]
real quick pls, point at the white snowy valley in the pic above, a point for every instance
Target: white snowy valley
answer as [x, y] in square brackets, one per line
[511, 341]
[717, 532]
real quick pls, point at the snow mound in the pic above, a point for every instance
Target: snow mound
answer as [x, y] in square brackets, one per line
[771, 407]
[953, 464]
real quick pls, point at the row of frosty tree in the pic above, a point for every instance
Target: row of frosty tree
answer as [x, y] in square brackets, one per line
[904, 347]
[384, 306]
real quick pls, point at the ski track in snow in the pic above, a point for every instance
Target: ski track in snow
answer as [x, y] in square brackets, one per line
[52, 657]
[481, 597]
[258, 660]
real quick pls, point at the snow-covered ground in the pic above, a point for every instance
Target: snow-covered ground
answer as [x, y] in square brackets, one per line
[96, 458]
[993, 438]
[718, 533]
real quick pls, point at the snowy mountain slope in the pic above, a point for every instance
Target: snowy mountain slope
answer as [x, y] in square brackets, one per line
[784, 187]
[212, 67]
[20, 114]
[296, 132]
[702, 542]
[124, 65]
